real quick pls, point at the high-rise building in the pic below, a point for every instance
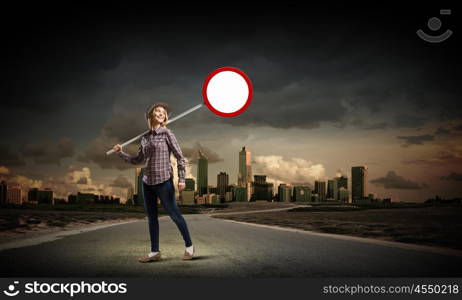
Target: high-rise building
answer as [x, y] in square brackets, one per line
[285, 192]
[187, 196]
[335, 189]
[139, 199]
[302, 193]
[14, 195]
[249, 190]
[342, 181]
[315, 197]
[222, 184]
[212, 189]
[190, 184]
[262, 190]
[33, 195]
[90, 198]
[245, 170]
[231, 193]
[343, 195]
[358, 183]
[3, 192]
[45, 196]
[320, 190]
[249, 174]
[240, 194]
[202, 174]
[130, 193]
[259, 179]
[229, 196]
[244, 176]
[332, 189]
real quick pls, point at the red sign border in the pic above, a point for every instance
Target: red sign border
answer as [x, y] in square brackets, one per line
[206, 83]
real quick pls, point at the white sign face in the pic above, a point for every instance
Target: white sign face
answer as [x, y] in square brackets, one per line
[227, 92]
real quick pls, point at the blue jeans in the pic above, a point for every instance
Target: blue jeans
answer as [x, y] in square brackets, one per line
[166, 192]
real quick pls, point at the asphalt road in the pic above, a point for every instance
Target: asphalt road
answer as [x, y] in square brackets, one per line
[223, 249]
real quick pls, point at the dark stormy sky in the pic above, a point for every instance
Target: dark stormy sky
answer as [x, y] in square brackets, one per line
[334, 87]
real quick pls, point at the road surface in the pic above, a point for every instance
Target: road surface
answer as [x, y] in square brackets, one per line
[224, 249]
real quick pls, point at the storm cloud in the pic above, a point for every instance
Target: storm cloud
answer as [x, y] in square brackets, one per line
[448, 157]
[9, 157]
[49, 152]
[453, 176]
[192, 154]
[96, 153]
[394, 181]
[416, 140]
[304, 72]
[121, 182]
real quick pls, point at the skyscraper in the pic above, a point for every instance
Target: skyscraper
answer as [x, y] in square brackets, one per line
[285, 192]
[244, 176]
[45, 196]
[262, 190]
[343, 195]
[222, 184]
[320, 189]
[14, 195]
[249, 174]
[342, 182]
[3, 192]
[302, 193]
[139, 199]
[245, 170]
[130, 193]
[187, 197]
[358, 183]
[190, 184]
[202, 174]
[33, 195]
[332, 189]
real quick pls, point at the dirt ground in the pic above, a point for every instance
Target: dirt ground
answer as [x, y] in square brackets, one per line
[434, 226]
[26, 223]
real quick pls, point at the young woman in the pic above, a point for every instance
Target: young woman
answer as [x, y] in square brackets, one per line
[154, 152]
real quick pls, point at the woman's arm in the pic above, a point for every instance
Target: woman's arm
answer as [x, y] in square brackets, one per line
[175, 147]
[135, 160]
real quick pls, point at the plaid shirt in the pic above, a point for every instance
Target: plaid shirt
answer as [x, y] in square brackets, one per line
[154, 153]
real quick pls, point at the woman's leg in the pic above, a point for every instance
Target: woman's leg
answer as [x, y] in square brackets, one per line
[150, 207]
[167, 198]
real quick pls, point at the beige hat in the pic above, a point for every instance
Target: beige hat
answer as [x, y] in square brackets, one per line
[164, 105]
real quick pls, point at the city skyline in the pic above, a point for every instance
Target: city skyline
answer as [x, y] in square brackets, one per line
[329, 94]
[323, 187]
